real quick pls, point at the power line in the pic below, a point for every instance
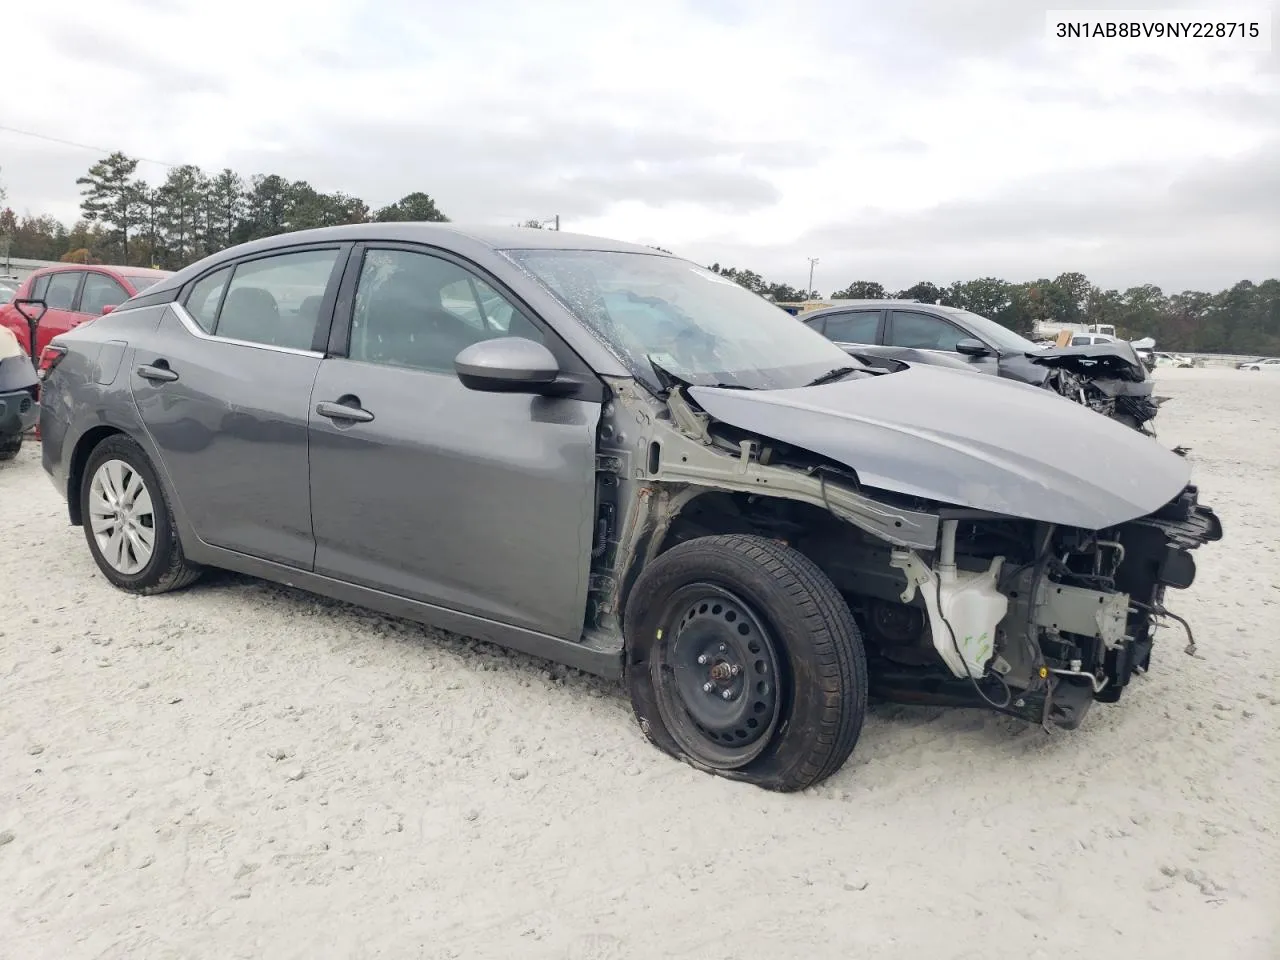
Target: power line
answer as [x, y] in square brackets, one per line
[83, 146]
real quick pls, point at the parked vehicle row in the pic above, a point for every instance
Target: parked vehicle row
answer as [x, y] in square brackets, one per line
[72, 294]
[1096, 370]
[18, 396]
[610, 457]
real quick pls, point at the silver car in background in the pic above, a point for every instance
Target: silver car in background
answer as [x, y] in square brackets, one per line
[604, 455]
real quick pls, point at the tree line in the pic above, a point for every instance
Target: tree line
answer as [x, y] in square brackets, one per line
[192, 213]
[125, 220]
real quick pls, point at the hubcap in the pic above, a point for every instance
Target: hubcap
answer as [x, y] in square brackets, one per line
[122, 517]
[718, 678]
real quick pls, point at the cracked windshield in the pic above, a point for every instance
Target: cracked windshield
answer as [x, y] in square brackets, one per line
[665, 315]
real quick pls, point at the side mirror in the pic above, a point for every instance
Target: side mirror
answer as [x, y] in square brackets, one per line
[971, 347]
[507, 365]
[32, 311]
[108, 308]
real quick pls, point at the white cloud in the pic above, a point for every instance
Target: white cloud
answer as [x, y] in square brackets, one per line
[872, 136]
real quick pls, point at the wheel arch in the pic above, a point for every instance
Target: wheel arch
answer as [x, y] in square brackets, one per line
[679, 513]
[84, 448]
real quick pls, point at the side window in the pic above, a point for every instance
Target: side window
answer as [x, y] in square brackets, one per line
[205, 297]
[1080, 341]
[418, 310]
[275, 301]
[921, 332]
[477, 303]
[101, 291]
[39, 288]
[854, 327]
[62, 289]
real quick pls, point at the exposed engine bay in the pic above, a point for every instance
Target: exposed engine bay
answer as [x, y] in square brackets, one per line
[957, 606]
[1107, 378]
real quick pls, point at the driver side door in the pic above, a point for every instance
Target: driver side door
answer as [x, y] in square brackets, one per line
[912, 335]
[479, 503]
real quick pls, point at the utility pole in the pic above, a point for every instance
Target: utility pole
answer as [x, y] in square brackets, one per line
[808, 294]
[557, 222]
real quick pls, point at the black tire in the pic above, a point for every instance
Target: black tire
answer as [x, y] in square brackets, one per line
[817, 709]
[168, 568]
[9, 446]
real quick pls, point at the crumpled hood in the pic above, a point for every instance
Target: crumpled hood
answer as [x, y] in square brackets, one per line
[1094, 360]
[979, 442]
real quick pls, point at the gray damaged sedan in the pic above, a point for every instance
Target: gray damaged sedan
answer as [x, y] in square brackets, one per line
[610, 457]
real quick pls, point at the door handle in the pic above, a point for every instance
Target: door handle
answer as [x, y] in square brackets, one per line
[342, 411]
[157, 372]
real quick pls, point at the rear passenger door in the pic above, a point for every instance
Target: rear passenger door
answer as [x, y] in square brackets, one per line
[61, 293]
[855, 327]
[224, 386]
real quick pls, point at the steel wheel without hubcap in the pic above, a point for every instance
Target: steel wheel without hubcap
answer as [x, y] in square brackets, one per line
[122, 517]
[716, 677]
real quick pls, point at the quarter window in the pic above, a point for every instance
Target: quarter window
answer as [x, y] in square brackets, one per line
[62, 290]
[205, 297]
[101, 291]
[920, 332]
[276, 300]
[854, 327]
[39, 288]
[418, 310]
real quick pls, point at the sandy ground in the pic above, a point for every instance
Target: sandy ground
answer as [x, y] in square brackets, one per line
[241, 770]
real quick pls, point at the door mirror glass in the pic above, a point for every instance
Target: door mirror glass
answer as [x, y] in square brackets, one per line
[507, 365]
[972, 347]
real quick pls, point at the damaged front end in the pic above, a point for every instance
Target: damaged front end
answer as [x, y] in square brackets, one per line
[959, 604]
[1033, 620]
[1108, 378]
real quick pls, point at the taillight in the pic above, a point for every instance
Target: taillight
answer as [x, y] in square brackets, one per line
[50, 357]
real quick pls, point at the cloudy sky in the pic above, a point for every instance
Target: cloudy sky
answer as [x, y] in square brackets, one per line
[926, 139]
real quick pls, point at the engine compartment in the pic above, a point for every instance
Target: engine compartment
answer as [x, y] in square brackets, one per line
[957, 606]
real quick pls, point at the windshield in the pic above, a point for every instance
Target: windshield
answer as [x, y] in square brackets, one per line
[141, 283]
[662, 312]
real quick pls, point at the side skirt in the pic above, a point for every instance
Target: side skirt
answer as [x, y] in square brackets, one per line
[592, 655]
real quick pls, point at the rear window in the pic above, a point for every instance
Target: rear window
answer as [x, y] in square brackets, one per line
[141, 283]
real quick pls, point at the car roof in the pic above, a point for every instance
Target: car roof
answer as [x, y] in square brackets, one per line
[888, 302]
[108, 267]
[464, 239]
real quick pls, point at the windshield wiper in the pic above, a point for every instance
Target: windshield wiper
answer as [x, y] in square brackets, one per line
[831, 376]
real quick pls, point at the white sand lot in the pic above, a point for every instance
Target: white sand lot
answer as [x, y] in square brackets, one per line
[240, 770]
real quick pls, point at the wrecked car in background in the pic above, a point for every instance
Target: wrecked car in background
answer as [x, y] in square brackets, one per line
[1107, 376]
[18, 394]
[610, 457]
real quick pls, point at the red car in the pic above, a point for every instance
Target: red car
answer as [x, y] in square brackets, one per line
[73, 293]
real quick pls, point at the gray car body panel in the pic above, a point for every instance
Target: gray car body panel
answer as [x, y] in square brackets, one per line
[481, 502]
[232, 431]
[945, 435]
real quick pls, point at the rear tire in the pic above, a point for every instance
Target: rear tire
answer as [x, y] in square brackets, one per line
[138, 552]
[711, 625]
[10, 446]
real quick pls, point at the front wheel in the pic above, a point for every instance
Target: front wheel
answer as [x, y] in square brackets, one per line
[743, 660]
[128, 523]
